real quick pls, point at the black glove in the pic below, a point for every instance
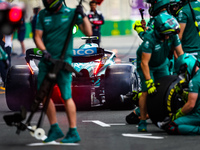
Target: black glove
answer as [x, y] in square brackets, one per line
[79, 10]
[46, 55]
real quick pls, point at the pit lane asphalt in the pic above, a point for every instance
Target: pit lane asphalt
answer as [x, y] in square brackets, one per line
[99, 129]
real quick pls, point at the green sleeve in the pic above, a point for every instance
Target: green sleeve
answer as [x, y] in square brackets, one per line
[176, 40]
[182, 17]
[194, 86]
[79, 19]
[147, 46]
[40, 18]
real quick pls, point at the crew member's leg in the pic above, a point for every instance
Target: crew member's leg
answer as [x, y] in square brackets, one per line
[21, 37]
[185, 125]
[70, 107]
[143, 112]
[142, 126]
[71, 112]
[55, 132]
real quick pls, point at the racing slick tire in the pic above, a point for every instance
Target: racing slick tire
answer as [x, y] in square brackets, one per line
[119, 79]
[20, 87]
[165, 101]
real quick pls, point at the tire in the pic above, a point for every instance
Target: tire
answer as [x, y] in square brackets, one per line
[20, 87]
[162, 104]
[119, 79]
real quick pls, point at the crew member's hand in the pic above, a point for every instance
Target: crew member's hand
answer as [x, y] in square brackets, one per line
[143, 22]
[137, 26]
[151, 87]
[178, 114]
[46, 54]
[79, 10]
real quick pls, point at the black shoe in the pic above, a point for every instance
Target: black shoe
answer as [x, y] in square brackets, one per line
[132, 118]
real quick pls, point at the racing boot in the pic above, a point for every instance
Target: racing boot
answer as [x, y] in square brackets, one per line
[54, 133]
[133, 117]
[72, 136]
[142, 126]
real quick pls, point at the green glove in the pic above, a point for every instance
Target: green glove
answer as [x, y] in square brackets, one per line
[137, 26]
[151, 87]
[178, 114]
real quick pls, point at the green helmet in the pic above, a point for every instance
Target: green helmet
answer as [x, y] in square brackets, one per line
[186, 62]
[156, 6]
[165, 24]
[52, 6]
[174, 6]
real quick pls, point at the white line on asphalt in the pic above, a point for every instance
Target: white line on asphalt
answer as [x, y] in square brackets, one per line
[97, 122]
[53, 143]
[147, 136]
[117, 124]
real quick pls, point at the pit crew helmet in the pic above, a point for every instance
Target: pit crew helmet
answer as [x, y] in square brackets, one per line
[165, 24]
[156, 6]
[53, 5]
[174, 6]
[186, 63]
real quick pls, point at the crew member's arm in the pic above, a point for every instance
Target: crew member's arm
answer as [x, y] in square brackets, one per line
[182, 29]
[86, 27]
[192, 98]
[38, 39]
[145, 65]
[179, 51]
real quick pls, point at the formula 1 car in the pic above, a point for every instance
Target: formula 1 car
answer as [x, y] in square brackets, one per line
[101, 83]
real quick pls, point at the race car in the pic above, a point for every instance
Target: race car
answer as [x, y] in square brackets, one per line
[101, 82]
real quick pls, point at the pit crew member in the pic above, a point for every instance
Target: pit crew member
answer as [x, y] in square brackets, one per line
[51, 30]
[186, 121]
[188, 18]
[152, 58]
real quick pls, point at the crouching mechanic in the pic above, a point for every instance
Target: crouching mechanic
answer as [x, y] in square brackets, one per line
[152, 58]
[187, 119]
[51, 31]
